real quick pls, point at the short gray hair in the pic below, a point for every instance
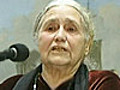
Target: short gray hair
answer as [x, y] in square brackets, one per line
[85, 16]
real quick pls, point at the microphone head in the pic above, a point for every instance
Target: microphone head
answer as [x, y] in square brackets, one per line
[21, 52]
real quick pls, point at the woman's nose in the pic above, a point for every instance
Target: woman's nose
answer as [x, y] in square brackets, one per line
[60, 35]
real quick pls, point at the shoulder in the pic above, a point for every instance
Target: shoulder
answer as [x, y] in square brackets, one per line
[103, 80]
[10, 82]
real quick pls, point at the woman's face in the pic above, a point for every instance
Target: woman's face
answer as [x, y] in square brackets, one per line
[61, 37]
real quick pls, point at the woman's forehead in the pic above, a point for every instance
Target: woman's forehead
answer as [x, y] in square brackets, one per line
[61, 9]
[67, 13]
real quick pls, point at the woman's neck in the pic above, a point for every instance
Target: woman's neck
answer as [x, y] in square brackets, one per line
[56, 75]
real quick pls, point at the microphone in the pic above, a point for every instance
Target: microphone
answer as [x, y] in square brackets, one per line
[17, 52]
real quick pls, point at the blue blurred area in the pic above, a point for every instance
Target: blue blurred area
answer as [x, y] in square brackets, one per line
[13, 8]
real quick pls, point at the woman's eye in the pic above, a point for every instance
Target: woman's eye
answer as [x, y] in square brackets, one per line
[52, 28]
[71, 29]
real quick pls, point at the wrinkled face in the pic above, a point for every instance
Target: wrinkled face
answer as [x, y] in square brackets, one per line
[61, 37]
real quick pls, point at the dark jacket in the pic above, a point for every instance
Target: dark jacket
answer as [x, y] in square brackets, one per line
[98, 80]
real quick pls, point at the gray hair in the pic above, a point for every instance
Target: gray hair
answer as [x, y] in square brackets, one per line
[85, 16]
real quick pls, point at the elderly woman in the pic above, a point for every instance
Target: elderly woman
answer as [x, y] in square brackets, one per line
[64, 34]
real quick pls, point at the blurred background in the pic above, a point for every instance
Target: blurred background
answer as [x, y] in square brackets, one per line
[16, 26]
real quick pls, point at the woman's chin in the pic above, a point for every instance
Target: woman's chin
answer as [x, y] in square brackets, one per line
[58, 61]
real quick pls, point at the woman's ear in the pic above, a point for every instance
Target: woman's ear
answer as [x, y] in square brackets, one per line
[88, 45]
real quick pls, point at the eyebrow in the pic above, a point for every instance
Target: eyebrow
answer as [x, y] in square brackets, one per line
[67, 20]
[47, 22]
[50, 20]
[57, 19]
[73, 21]
[79, 26]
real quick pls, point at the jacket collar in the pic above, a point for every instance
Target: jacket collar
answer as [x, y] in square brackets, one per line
[80, 81]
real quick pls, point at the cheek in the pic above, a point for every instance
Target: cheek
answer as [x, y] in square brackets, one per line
[77, 46]
[44, 42]
[77, 42]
